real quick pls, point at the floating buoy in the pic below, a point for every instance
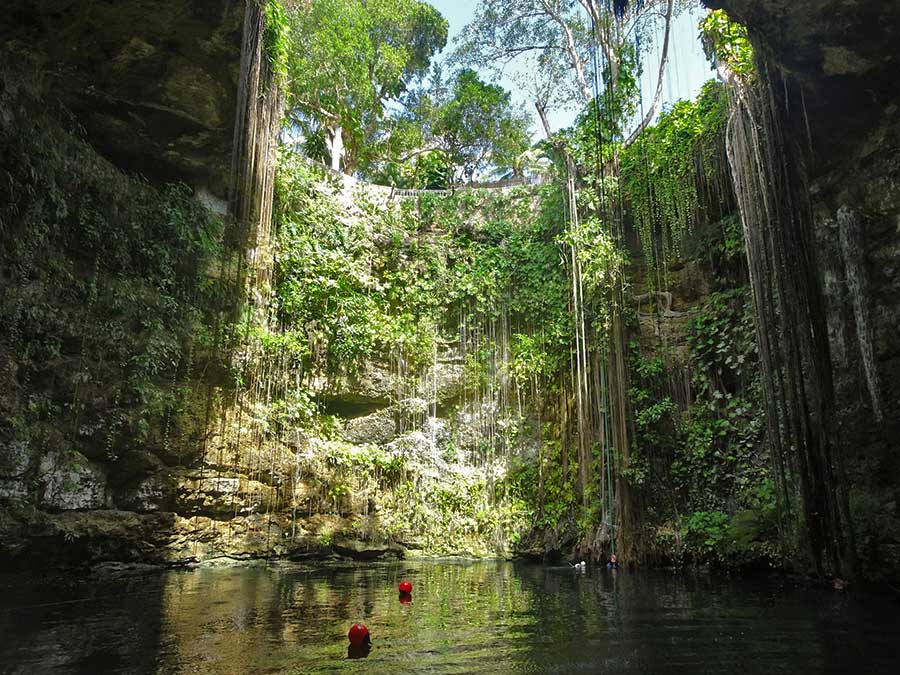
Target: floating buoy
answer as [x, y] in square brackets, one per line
[359, 635]
[405, 598]
[405, 587]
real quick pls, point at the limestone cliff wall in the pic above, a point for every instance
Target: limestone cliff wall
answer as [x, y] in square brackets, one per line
[154, 87]
[132, 204]
[840, 61]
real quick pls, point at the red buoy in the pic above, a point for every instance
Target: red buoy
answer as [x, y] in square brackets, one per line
[405, 587]
[359, 635]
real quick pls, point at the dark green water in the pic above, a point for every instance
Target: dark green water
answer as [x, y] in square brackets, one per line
[464, 618]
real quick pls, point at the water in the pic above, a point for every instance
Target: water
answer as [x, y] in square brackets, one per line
[464, 618]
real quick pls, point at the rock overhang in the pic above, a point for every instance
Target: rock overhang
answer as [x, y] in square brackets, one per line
[153, 86]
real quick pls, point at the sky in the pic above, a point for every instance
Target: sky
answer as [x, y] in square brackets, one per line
[688, 68]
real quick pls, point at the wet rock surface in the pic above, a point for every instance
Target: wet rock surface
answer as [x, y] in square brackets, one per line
[379, 427]
[155, 87]
[69, 481]
[842, 59]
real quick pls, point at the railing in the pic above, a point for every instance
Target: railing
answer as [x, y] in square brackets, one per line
[519, 181]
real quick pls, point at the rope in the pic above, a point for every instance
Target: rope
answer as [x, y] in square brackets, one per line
[604, 211]
[98, 598]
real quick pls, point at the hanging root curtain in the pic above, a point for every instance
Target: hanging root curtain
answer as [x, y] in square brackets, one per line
[768, 168]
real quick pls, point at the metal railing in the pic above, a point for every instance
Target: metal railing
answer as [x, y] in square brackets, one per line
[518, 181]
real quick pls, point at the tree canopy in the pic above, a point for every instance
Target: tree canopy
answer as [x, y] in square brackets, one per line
[349, 61]
[479, 123]
[453, 131]
[554, 42]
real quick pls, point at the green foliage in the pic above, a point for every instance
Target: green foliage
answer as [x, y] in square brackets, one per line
[704, 532]
[109, 294]
[370, 460]
[753, 532]
[478, 124]
[399, 279]
[659, 171]
[655, 413]
[300, 410]
[556, 500]
[724, 429]
[276, 37]
[456, 515]
[533, 359]
[602, 120]
[747, 537]
[428, 170]
[732, 246]
[723, 341]
[727, 44]
[601, 261]
[451, 132]
[326, 293]
[348, 59]
[402, 280]
[709, 460]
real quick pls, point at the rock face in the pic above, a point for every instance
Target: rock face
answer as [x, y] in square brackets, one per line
[70, 482]
[256, 502]
[154, 86]
[155, 90]
[366, 551]
[379, 427]
[817, 39]
[15, 460]
[843, 57]
[154, 493]
[111, 103]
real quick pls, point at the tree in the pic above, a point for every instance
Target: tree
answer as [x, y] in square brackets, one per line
[479, 125]
[349, 60]
[451, 129]
[555, 41]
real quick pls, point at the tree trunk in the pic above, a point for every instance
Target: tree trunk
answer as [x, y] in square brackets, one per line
[335, 140]
[657, 97]
[542, 113]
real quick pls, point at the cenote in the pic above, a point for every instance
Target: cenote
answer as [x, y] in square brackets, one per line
[300, 299]
[464, 617]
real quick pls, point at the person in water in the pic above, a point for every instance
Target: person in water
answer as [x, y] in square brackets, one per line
[613, 563]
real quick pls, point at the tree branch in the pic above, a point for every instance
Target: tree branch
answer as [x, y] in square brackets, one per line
[571, 49]
[657, 98]
[542, 113]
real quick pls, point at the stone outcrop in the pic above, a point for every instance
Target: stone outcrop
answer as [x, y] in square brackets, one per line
[379, 427]
[113, 101]
[15, 460]
[169, 539]
[70, 482]
[262, 502]
[153, 86]
[841, 61]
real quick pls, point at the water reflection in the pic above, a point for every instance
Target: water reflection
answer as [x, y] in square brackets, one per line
[466, 618]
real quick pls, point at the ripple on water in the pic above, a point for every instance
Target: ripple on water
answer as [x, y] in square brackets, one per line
[464, 618]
